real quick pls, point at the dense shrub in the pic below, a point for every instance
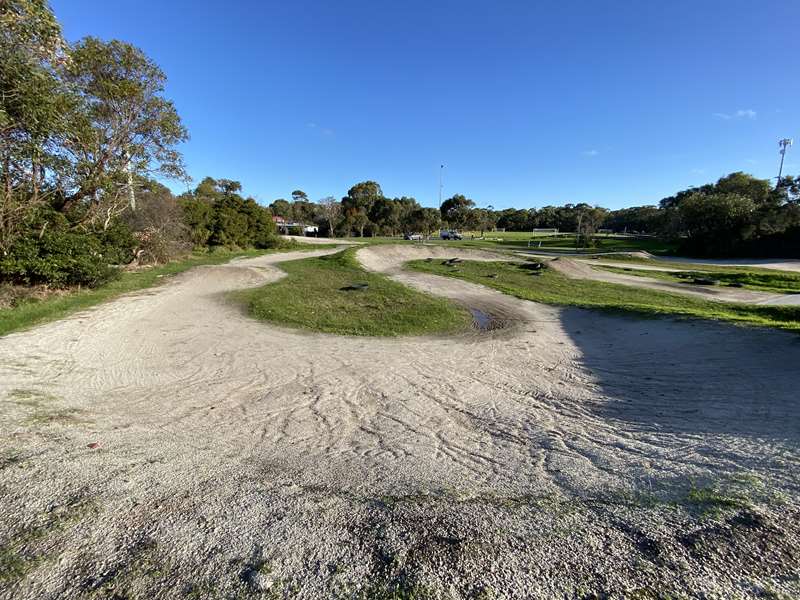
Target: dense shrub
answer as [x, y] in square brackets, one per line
[216, 215]
[58, 258]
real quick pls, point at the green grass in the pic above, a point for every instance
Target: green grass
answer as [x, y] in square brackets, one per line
[314, 296]
[517, 240]
[18, 554]
[565, 241]
[764, 280]
[30, 313]
[555, 288]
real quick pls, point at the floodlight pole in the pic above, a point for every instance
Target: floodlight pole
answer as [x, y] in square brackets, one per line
[783, 144]
[441, 170]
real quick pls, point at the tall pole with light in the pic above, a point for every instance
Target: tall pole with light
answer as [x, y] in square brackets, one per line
[784, 145]
[441, 185]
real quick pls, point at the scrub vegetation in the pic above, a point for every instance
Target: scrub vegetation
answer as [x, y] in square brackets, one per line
[334, 294]
[551, 287]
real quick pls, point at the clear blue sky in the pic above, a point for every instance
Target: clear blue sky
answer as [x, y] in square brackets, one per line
[527, 103]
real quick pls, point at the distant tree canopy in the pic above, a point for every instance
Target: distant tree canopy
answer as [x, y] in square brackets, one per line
[739, 214]
[458, 212]
[218, 216]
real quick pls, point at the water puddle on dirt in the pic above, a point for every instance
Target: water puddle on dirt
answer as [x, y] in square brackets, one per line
[482, 320]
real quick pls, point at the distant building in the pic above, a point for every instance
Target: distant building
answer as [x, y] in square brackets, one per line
[284, 226]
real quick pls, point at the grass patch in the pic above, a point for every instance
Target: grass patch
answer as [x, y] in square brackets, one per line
[516, 240]
[40, 408]
[552, 287]
[32, 312]
[17, 555]
[763, 280]
[566, 241]
[325, 294]
[711, 500]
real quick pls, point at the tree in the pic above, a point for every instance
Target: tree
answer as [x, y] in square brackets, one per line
[303, 211]
[359, 201]
[716, 223]
[158, 224]
[33, 103]
[456, 211]
[331, 211]
[124, 125]
[218, 216]
[425, 220]
[636, 219]
[281, 208]
[299, 196]
[589, 221]
[483, 219]
[385, 214]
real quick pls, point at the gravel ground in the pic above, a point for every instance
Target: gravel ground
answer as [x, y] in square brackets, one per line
[165, 445]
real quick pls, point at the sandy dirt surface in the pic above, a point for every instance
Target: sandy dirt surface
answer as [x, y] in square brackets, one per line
[316, 240]
[781, 264]
[566, 454]
[580, 269]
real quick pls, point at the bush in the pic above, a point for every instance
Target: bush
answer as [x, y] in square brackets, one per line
[159, 231]
[58, 258]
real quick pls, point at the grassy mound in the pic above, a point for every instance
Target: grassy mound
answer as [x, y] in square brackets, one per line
[334, 294]
[552, 287]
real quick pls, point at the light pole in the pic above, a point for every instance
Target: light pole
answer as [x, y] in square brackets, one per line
[441, 171]
[783, 144]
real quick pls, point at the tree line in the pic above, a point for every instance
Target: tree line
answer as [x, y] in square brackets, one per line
[85, 130]
[738, 215]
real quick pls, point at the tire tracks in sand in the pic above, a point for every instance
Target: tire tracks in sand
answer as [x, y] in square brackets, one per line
[220, 434]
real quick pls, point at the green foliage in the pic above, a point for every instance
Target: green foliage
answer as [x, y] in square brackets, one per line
[59, 258]
[216, 215]
[457, 212]
[281, 208]
[80, 126]
[319, 294]
[358, 204]
[423, 220]
[716, 222]
[737, 215]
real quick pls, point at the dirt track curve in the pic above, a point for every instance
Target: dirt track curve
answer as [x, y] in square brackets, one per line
[566, 454]
[583, 270]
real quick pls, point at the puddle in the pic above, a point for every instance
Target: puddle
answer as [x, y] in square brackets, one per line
[482, 320]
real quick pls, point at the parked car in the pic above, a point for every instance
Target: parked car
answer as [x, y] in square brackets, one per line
[412, 236]
[449, 234]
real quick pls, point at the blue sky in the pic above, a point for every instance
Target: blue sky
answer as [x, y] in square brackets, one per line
[615, 103]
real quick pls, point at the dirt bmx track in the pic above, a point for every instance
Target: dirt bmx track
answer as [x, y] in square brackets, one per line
[570, 453]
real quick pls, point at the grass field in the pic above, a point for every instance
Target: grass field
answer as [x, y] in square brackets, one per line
[334, 294]
[552, 287]
[764, 280]
[515, 240]
[29, 313]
